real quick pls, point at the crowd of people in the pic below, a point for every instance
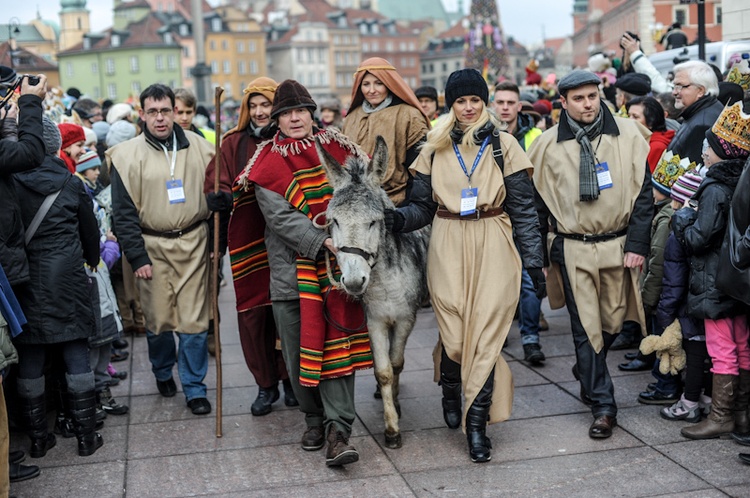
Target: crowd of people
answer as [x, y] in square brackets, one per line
[616, 192]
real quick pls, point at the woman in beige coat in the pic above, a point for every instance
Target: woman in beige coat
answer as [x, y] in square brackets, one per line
[476, 183]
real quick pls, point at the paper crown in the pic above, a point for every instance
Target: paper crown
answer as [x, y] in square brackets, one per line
[740, 74]
[669, 169]
[733, 125]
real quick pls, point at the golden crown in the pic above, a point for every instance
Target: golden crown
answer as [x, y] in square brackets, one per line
[670, 168]
[740, 74]
[733, 125]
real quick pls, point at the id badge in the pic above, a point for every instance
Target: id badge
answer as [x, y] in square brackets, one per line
[603, 176]
[468, 201]
[175, 191]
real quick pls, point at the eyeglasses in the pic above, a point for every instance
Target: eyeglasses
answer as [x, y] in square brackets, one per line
[166, 112]
[679, 88]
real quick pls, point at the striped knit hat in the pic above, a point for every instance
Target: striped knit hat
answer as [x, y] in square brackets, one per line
[89, 159]
[685, 187]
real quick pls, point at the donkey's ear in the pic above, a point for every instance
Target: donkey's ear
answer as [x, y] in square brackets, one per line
[336, 173]
[379, 161]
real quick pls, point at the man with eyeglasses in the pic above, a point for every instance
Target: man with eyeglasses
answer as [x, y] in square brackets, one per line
[695, 90]
[89, 111]
[159, 215]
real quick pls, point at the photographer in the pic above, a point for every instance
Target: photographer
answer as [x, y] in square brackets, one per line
[641, 64]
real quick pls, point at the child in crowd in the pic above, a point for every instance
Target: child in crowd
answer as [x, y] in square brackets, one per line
[673, 306]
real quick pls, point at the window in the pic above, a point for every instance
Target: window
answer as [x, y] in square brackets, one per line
[228, 88]
[389, 46]
[136, 87]
[94, 68]
[363, 28]
[160, 62]
[375, 46]
[112, 91]
[86, 43]
[718, 15]
[115, 40]
[365, 47]
[412, 46]
[322, 55]
[340, 81]
[216, 24]
[224, 45]
[110, 66]
[681, 15]
[168, 38]
[184, 30]
[402, 46]
[445, 67]
[69, 68]
[310, 55]
[241, 67]
[253, 67]
[172, 62]
[188, 74]
[300, 55]
[133, 63]
[214, 67]
[240, 47]
[212, 44]
[251, 47]
[186, 51]
[227, 67]
[374, 28]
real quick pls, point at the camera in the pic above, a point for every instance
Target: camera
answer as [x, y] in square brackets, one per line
[9, 80]
[632, 35]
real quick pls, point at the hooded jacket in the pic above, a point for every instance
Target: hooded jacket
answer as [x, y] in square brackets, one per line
[57, 301]
[702, 233]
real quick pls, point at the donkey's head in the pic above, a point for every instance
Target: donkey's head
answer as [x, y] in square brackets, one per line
[355, 213]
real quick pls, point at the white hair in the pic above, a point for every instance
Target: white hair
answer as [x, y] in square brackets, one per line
[699, 73]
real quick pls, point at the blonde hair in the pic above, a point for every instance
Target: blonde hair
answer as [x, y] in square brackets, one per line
[439, 137]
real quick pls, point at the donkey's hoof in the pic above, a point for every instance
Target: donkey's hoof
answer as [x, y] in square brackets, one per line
[393, 441]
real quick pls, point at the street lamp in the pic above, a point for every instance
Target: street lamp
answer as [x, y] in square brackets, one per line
[13, 29]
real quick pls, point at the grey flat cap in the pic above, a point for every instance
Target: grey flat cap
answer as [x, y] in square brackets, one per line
[577, 78]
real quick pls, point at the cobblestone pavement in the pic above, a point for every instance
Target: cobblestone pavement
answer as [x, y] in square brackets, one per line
[159, 449]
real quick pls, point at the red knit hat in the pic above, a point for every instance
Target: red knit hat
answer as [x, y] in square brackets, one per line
[71, 133]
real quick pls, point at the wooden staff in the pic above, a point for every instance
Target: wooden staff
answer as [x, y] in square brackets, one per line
[215, 262]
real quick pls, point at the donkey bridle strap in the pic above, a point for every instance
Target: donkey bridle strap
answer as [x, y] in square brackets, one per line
[368, 256]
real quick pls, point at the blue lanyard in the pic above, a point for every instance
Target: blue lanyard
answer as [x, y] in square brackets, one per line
[476, 161]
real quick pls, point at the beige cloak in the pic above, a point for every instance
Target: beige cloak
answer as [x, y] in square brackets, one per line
[606, 293]
[176, 298]
[474, 270]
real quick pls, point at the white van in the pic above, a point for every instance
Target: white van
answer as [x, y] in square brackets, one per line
[718, 53]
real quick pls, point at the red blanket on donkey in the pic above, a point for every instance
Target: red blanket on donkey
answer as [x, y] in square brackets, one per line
[292, 169]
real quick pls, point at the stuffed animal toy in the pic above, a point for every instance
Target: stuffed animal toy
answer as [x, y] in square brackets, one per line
[668, 348]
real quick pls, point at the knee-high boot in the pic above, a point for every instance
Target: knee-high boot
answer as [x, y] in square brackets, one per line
[476, 423]
[450, 381]
[742, 405]
[83, 413]
[34, 412]
[721, 419]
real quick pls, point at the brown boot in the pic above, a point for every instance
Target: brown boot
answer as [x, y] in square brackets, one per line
[721, 419]
[742, 405]
[339, 452]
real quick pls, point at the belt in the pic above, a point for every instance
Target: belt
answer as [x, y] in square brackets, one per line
[442, 212]
[592, 238]
[172, 234]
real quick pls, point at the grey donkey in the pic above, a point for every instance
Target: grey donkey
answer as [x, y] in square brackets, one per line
[386, 271]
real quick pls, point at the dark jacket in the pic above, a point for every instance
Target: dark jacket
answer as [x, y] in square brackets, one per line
[702, 233]
[15, 157]
[741, 216]
[674, 291]
[698, 117]
[57, 301]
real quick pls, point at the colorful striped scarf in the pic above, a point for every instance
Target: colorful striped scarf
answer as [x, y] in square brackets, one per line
[292, 169]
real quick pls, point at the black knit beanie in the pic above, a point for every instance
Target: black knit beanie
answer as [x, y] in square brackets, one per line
[465, 82]
[291, 95]
[50, 136]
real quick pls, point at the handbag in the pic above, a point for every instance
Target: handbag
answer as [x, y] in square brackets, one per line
[732, 281]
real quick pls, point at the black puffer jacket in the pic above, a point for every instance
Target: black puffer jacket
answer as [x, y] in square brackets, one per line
[702, 233]
[57, 301]
[698, 117]
[741, 213]
[25, 154]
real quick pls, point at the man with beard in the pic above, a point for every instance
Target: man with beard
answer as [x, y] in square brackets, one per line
[594, 189]
[255, 320]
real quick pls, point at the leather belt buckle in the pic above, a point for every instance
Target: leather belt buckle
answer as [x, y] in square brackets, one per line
[587, 237]
[475, 217]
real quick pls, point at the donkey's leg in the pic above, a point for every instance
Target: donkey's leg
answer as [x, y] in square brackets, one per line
[399, 334]
[379, 341]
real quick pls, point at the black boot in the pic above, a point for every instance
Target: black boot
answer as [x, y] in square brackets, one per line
[450, 381]
[34, 412]
[476, 423]
[63, 423]
[83, 413]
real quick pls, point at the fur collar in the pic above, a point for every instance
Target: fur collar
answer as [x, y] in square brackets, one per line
[727, 172]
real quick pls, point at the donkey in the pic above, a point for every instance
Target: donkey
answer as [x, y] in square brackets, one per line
[385, 270]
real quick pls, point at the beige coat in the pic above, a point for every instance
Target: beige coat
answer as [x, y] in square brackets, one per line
[606, 293]
[474, 270]
[401, 126]
[176, 298]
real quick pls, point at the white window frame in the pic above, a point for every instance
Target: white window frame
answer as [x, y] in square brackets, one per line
[134, 66]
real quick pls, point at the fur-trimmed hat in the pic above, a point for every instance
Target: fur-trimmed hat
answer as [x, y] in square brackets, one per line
[51, 136]
[465, 82]
[89, 159]
[291, 95]
[71, 133]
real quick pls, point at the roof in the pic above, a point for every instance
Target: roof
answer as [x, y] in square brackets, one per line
[27, 33]
[24, 61]
[143, 33]
[134, 4]
[554, 43]
[413, 9]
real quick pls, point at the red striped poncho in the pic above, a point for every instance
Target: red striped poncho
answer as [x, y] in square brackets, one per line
[292, 169]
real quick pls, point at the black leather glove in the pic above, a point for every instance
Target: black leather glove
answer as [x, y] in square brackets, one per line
[219, 202]
[540, 283]
[394, 221]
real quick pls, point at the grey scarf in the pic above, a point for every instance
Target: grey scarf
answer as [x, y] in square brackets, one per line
[588, 186]
[385, 103]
